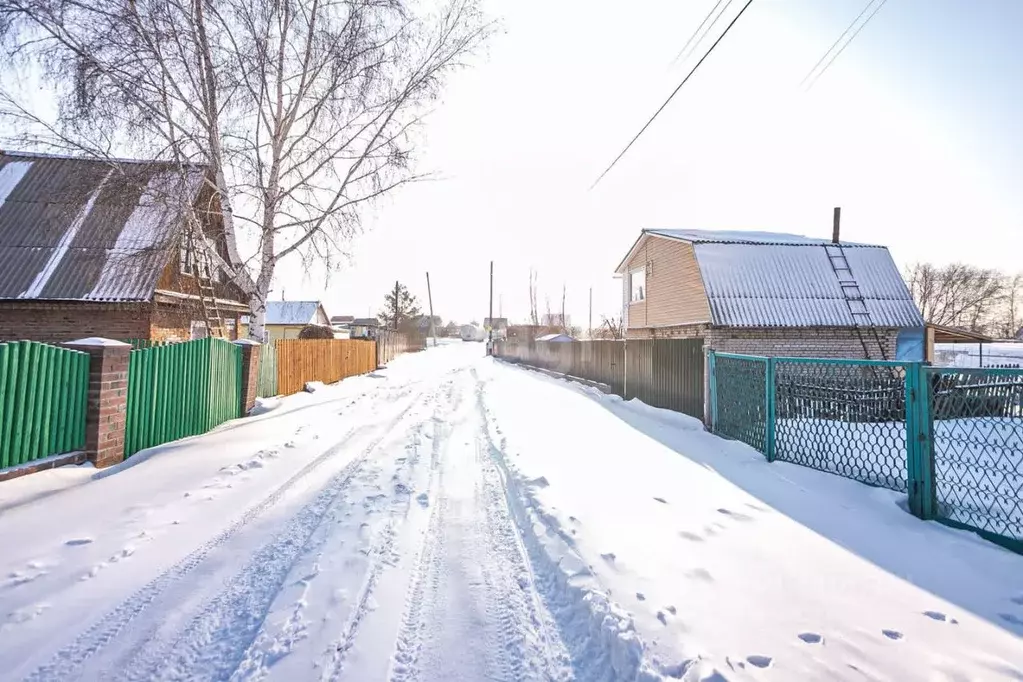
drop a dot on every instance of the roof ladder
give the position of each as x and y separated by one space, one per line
854 298
204 278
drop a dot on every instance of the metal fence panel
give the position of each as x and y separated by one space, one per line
846 417
43 390
180 390
739 398
977 435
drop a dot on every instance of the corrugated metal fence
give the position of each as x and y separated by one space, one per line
266 382
664 373
181 390
327 360
952 439
43 393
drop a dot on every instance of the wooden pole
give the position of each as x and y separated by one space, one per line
589 332
490 334
397 305
429 297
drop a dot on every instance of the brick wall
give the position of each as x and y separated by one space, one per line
802 343
57 322
173 322
799 343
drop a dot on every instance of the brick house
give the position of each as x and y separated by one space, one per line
769 294
99 248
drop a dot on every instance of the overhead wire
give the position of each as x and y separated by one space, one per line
810 78
672 95
685 48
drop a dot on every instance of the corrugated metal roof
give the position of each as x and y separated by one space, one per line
794 285
291 312
740 237
88 230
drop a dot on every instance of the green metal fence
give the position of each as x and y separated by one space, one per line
952 439
266 386
43 393
181 390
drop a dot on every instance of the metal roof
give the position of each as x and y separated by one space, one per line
794 285
741 237
291 312
87 230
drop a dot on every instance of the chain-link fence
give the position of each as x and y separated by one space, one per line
950 438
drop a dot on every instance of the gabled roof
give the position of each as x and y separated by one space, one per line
365 322
87 229
292 312
762 279
342 319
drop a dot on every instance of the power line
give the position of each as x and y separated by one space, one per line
807 80
672 95
698 29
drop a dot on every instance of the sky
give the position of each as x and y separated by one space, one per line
914 131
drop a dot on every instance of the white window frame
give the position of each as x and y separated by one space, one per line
632 288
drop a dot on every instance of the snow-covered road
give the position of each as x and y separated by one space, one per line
451 519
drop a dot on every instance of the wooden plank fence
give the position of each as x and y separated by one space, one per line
327 360
43 394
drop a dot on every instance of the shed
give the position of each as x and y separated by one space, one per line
285 319
769 293
555 338
99 247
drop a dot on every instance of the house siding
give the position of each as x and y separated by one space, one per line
58 322
675 294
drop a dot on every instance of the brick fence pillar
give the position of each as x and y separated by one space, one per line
250 372
108 399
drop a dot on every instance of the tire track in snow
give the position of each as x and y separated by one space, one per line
471 560
383 557
68 661
218 639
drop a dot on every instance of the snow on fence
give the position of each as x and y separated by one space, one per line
43 394
951 438
664 373
300 361
179 390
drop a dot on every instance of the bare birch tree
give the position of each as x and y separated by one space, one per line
957 295
303 112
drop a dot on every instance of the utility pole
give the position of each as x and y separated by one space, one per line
490 333
429 297
397 305
589 333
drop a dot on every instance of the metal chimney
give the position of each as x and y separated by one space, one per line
837 224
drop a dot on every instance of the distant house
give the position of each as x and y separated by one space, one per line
451 329
341 321
769 294
364 328
285 319
555 338
99 248
423 323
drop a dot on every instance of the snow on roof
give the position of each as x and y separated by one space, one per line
795 285
554 337
740 237
291 312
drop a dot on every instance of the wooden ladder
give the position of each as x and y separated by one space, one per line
854 299
204 277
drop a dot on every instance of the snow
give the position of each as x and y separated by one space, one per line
742 237
96 341
291 312
454 518
967 355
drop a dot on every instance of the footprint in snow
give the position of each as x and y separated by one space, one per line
76 542
609 557
423 499
692 537
1017 599
671 609
640 596
759 661
661 500
892 634
661 617
738 516
939 616
810 637
701 574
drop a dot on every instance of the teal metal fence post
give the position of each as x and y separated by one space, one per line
712 385
769 410
920 442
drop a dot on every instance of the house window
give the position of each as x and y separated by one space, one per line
198 330
637 282
185 260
